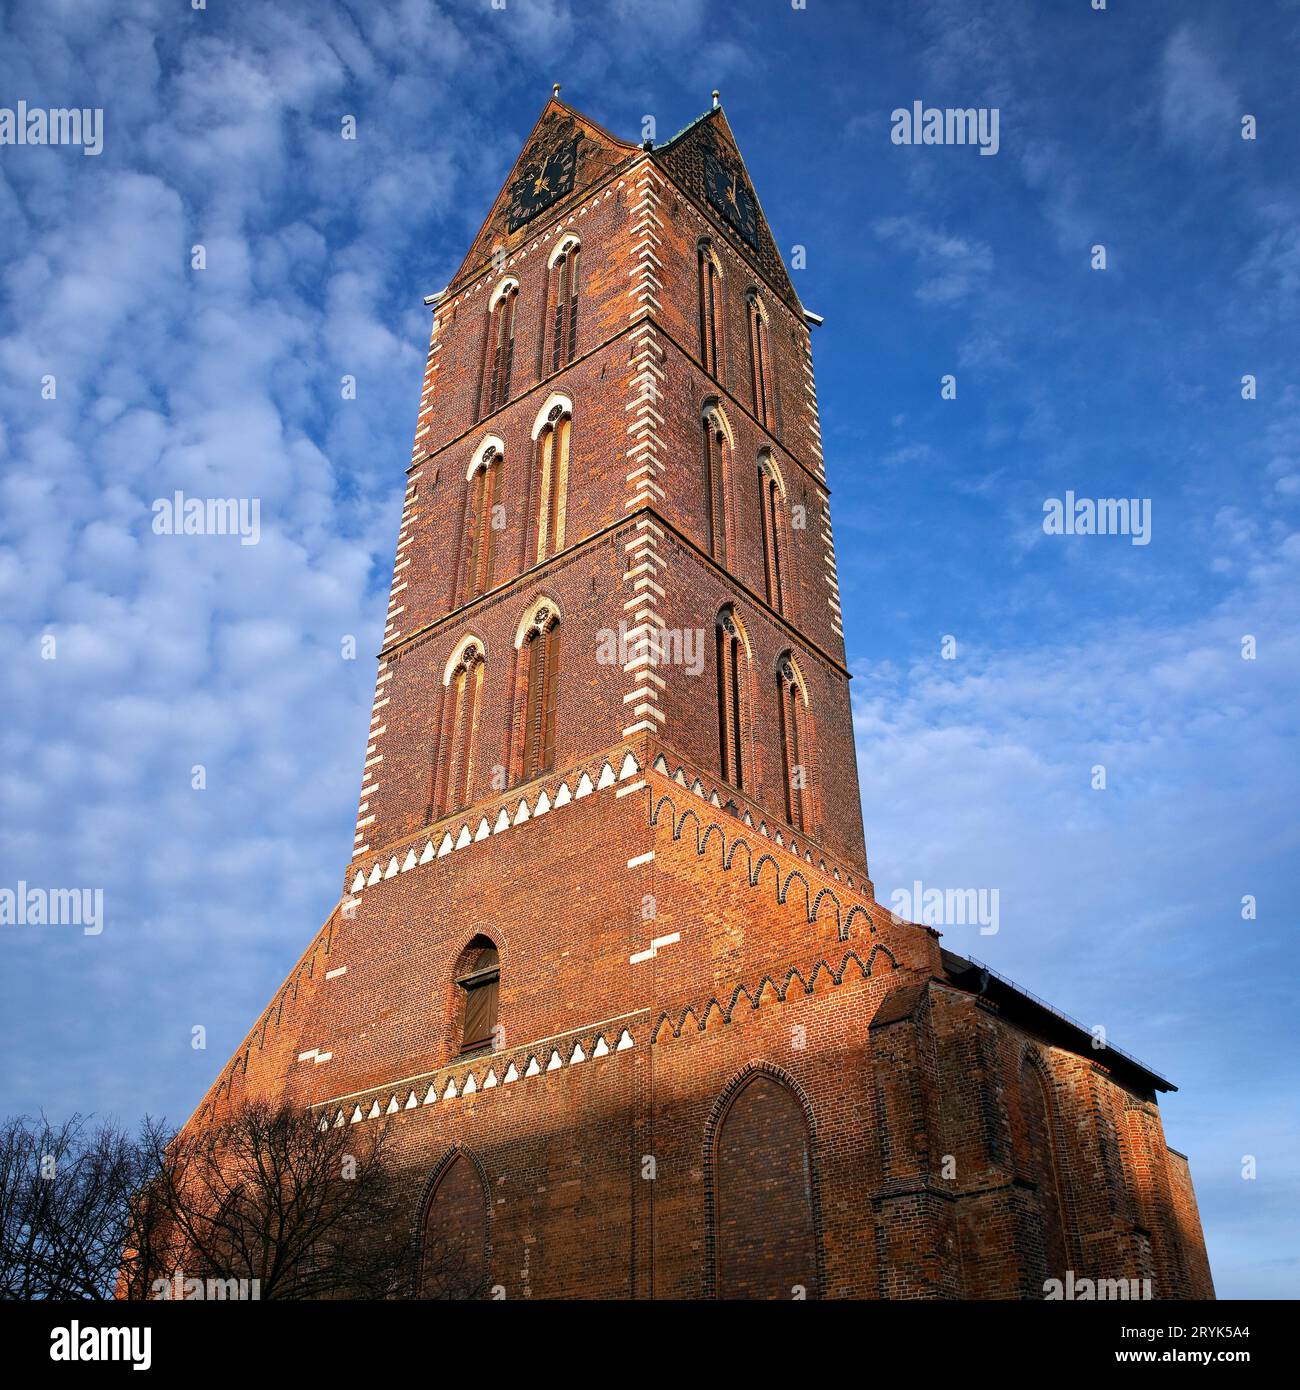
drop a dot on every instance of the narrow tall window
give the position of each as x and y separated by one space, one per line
564 312
455 772
480 982
500 352
552 480
710 287
541 655
453 1241
794 739
730 683
715 486
763 1216
759 366
769 488
479 532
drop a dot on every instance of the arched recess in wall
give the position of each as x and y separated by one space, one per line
735 726
536 691
462 698
1046 1233
479 508
709 273
762 1193
761 381
797 754
562 303
552 430
498 347
772 507
455 1254
718 448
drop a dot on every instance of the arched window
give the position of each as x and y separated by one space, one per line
793 705
771 500
564 303
454 1234
759 360
463 682
1045 1238
499 349
484 485
717 470
551 431
478 981
539 653
763 1227
732 670
710 289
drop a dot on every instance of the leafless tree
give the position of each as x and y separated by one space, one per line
269 1196
65 1206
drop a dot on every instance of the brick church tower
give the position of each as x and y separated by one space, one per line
608 957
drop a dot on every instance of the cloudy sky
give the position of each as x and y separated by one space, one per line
1119 128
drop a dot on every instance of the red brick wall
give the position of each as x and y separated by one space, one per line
723 1067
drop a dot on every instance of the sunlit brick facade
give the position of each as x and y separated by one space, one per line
608 957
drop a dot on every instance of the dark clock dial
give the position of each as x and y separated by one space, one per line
543 181
732 196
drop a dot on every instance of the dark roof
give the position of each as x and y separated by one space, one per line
1019 1005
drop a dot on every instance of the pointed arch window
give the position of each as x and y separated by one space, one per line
552 433
717 465
1038 1161
771 510
761 1217
540 654
760 366
710 295
732 670
462 697
499 353
479 982
454 1234
480 534
793 709
564 304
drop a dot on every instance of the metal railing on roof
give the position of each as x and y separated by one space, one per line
1066 1018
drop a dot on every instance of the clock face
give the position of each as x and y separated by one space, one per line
732 196
545 179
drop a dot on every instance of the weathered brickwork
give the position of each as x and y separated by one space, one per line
719 1068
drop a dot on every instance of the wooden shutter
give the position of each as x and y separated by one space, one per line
551 645
557 331
573 304
710 530
545 469
737 763
509 333
480 1013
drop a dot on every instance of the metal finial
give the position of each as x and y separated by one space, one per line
555 89
717 98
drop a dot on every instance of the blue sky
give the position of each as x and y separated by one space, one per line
1119 128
